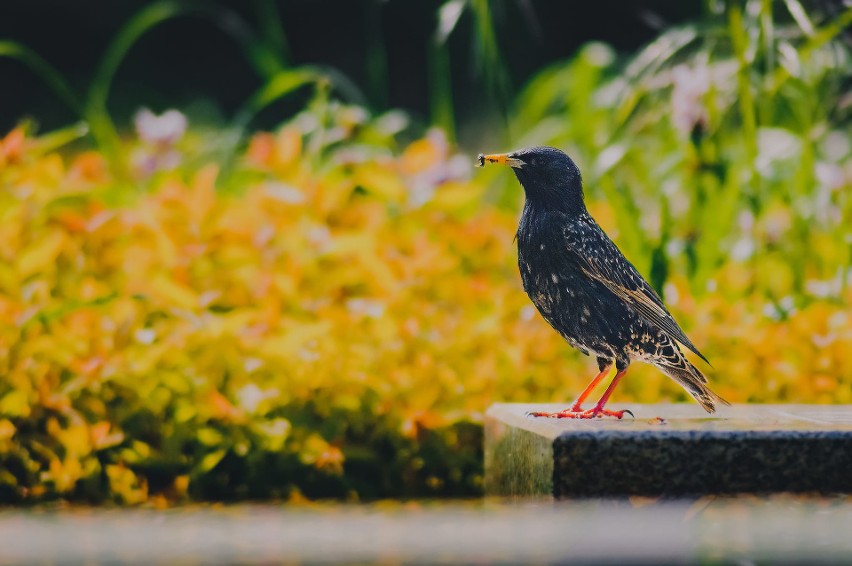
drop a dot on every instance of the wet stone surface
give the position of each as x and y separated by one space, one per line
685 452
709 530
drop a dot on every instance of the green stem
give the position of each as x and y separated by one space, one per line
440 85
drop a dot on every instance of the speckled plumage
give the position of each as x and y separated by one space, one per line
583 285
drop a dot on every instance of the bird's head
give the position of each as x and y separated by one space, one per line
549 177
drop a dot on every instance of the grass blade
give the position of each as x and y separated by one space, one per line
44 70
51 141
269 21
102 126
441 89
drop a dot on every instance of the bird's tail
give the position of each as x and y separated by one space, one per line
687 375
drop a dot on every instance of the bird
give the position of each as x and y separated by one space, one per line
586 289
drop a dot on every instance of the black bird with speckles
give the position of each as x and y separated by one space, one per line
586 289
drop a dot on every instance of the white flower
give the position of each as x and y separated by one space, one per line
366 307
165 129
690 86
145 336
250 396
283 192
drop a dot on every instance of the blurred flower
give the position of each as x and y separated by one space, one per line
775 145
283 192
745 220
147 162
824 289
250 396
690 84
527 313
145 336
743 249
598 54
165 129
427 164
830 175
366 307
158 134
831 179
836 145
392 122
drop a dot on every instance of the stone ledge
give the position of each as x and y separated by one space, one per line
741 449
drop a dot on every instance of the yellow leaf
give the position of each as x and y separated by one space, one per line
420 155
288 344
211 460
209 436
174 294
7 431
380 181
288 145
125 485
15 404
202 195
41 254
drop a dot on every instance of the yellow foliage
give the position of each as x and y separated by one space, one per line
41 254
125 486
15 403
315 318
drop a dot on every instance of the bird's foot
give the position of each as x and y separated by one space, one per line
577 413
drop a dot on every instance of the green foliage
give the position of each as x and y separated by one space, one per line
710 126
488 64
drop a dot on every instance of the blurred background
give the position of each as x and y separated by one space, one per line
384 48
246 255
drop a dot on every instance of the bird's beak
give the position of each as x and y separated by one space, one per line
499 158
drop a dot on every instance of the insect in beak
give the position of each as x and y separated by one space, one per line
500 159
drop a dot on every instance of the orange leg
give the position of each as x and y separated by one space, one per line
576 407
598 409
576 411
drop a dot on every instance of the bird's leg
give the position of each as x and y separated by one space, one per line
604 369
577 409
598 410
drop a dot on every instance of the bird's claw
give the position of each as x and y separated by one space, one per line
577 413
538 414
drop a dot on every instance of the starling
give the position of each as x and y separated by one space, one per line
586 289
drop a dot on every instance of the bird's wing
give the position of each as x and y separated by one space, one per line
600 259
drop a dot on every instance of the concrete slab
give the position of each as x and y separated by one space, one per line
740 449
